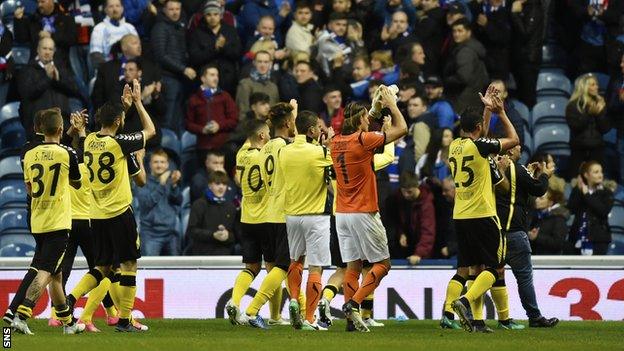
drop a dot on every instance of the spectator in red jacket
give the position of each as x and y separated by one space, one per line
411 212
211 113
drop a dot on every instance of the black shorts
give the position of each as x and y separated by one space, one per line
116 239
49 251
265 240
334 247
480 242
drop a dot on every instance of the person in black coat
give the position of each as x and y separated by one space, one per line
310 91
615 111
548 228
6 63
590 202
43 84
430 27
493 29
214 42
109 81
528 22
588 121
47 22
212 221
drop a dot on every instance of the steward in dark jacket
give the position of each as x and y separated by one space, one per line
169 45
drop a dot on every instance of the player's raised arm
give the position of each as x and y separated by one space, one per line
399 126
511 137
487 111
149 131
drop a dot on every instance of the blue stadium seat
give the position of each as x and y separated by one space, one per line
617 244
17 238
14 220
11 167
9 111
170 141
21 55
549 111
552 138
7 9
523 110
184 219
610 137
553 84
17 250
12 194
188 142
603 81
186 197
616 218
528 142
188 157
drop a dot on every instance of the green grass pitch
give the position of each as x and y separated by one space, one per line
218 334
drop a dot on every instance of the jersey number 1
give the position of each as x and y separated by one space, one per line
343 167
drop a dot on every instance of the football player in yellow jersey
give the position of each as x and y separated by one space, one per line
254 230
480 240
307 215
49 170
112 222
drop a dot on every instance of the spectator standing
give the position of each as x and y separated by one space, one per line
384 9
433 166
590 202
549 229
259 80
334 50
430 27
212 221
615 109
214 162
528 23
493 30
588 121
138 11
438 104
6 62
465 73
411 212
266 39
48 21
299 37
159 202
310 91
496 127
259 104
169 49
43 84
216 43
107 85
108 32
397 33
211 113
254 10
333 113
421 124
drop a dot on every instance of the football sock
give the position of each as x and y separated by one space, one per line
63 314
241 285
93 302
113 290
295 272
24 310
483 282
109 305
20 294
329 292
88 282
127 292
350 284
371 281
367 306
302 302
313 294
453 292
501 299
474 305
270 284
275 303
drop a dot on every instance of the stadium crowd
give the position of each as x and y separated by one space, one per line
207 68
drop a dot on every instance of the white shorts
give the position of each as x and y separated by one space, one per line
309 236
362 236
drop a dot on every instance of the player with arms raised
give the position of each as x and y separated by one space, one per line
112 221
361 234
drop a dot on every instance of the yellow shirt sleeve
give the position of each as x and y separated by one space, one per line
384 159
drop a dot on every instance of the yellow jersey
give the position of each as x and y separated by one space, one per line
48 167
248 165
273 176
81 198
106 160
305 188
471 168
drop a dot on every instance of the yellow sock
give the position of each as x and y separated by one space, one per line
63 315
53 313
302 303
88 282
482 283
271 282
111 311
113 289
501 299
95 298
367 306
241 285
475 306
329 292
127 292
275 303
453 292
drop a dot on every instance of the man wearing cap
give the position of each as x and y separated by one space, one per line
439 106
216 43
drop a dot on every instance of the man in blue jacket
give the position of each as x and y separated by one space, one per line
159 205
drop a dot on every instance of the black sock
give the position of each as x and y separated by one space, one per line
21 290
107 301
